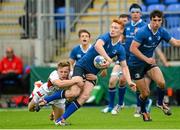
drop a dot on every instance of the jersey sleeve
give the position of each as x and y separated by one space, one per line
73 54
53 76
104 37
122 54
166 36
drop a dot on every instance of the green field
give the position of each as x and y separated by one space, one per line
88 118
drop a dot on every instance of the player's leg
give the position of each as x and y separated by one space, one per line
121 93
31 106
112 88
58 110
143 98
148 103
138 75
76 104
157 76
72 92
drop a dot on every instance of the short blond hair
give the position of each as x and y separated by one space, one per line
63 64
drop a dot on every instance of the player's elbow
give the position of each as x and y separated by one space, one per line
131 49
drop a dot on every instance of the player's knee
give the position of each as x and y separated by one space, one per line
80 84
31 108
122 82
85 97
73 94
161 84
112 82
146 93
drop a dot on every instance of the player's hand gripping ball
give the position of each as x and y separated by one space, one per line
99 61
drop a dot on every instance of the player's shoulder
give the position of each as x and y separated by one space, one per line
104 36
143 29
128 24
162 29
53 73
121 47
76 47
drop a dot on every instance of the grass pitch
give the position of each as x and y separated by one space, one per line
89 118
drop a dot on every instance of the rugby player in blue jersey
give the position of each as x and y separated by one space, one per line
108 46
80 50
141 61
130 30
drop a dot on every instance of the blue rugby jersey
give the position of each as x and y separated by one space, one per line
148 42
78 52
112 50
129 32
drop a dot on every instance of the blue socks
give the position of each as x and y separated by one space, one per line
143 104
161 93
74 106
112 93
122 91
138 100
57 95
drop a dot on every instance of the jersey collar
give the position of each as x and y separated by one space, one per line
134 24
154 33
84 51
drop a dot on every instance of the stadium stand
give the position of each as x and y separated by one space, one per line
150 2
10 13
156 6
172 20
173 7
168 2
144 8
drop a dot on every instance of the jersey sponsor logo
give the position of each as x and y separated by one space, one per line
78 55
114 51
148 46
137 75
149 38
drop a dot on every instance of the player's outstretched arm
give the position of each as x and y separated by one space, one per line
175 42
126 73
66 83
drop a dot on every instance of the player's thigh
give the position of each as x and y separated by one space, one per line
85 94
73 91
58 111
147 80
156 75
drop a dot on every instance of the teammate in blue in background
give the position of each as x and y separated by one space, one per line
108 46
130 30
80 50
141 62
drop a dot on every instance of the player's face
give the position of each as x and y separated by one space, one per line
125 19
64 72
116 30
84 38
156 23
135 16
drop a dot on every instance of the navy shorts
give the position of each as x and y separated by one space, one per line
78 71
138 72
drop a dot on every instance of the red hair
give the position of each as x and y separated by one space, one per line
120 22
